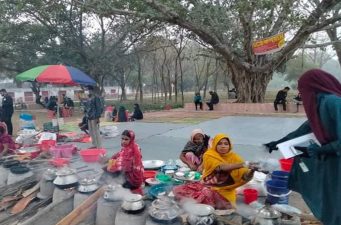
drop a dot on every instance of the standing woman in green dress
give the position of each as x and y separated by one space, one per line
320 186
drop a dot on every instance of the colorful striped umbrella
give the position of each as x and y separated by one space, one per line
56 74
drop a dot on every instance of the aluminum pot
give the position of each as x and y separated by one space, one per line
87 185
164 209
267 216
66 178
133 202
50 174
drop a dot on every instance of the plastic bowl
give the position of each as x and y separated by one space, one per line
286 164
92 155
149 174
159 190
163 178
280 175
277 187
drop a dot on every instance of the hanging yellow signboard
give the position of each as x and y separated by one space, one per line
268 45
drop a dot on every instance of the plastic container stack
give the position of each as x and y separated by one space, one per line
27 121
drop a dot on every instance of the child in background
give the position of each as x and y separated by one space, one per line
128 162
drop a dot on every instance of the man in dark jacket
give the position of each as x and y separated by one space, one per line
281 98
94 110
214 100
7 110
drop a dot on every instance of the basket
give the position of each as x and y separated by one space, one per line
92 155
63 151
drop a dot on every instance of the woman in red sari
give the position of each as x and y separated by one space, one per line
128 162
7 145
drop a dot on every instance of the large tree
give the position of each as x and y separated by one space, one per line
230 26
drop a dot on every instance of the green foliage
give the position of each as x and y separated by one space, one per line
145 107
297 66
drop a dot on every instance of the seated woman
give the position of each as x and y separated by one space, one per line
223 172
128 162
194 150
7 145
114 112
137 114
84 125
122 115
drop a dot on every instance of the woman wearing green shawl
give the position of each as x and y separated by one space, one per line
320 183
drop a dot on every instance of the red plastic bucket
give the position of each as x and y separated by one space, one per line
286 164
250 195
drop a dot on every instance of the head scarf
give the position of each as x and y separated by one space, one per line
195 132
129 161
212 158
310 84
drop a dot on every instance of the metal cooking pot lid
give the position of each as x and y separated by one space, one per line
87 181
65 172
133 197
200 209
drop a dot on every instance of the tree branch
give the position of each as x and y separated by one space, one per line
309 26
321 45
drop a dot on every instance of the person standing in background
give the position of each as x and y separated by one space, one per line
94 110
7 110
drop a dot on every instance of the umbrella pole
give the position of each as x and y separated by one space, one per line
58 113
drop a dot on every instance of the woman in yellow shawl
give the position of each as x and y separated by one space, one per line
223 172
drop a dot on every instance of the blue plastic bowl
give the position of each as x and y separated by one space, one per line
277 187
159 189
280 175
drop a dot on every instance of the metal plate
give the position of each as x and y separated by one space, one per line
153 164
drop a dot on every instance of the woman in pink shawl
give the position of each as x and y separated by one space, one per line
128 161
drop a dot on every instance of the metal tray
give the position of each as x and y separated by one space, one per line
153 164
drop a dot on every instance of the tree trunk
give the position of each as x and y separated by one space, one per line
182 82
176 79
169 84
139 77
250 87
337 45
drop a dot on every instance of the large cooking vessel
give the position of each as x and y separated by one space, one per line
87 185
200 214
66 178
50 174
164 210
133 203
267 216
